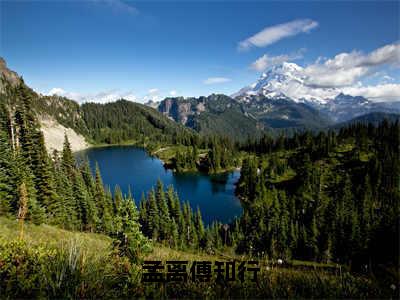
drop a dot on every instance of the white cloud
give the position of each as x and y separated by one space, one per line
267 61
345 69
153 91
153 95
173 93
380 92
100 97
216 80
272 34
387 79
350 73
120 6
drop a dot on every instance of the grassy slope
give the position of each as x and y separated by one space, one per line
53 237
47 259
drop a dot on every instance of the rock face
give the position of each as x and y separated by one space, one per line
10 76
152 104
54 132
51 112
215 114
178 109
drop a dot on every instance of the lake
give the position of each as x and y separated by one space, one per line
130 166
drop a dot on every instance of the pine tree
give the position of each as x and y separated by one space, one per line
153 216
200 228
68 160
135 242
27 125
164 221
7 177
42 169
117 198
103 204
143 219
174 238
84 207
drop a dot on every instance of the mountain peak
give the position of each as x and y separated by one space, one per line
273 83
290 66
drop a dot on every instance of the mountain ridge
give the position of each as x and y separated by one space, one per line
288 81
89 123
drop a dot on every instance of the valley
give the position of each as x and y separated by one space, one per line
259 177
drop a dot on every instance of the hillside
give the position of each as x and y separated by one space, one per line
284 114
372 118
90 123
239 119
124 120
215 114
56 263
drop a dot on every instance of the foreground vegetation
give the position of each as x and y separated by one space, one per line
55 263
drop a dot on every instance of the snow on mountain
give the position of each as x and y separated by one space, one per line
289 81
286 80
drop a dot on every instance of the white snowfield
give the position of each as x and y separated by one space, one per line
54 136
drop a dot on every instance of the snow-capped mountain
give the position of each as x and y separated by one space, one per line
288 81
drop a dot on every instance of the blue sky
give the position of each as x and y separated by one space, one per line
152 49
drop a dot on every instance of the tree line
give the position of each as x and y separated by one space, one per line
59 191
331 197
165 219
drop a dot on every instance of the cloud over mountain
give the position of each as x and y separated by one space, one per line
326 78
100 97
345 69
267 61
273 34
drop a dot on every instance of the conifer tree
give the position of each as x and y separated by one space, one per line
42 169
164 219
143 213
7 177
68 160
153 216
103 205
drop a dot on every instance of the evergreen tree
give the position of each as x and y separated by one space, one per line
103 204
153 216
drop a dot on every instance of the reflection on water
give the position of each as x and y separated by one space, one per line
130 166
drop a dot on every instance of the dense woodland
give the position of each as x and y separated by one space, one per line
54 189
327 197
164 218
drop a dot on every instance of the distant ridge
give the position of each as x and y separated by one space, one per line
371 118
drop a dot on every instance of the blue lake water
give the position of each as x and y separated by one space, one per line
129 166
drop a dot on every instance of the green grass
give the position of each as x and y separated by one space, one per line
54 263
344 148
50 236
288 175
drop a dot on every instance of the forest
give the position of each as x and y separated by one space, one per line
331 197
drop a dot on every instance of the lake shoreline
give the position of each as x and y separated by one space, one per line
132 167
154 153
